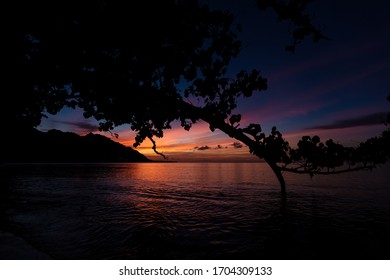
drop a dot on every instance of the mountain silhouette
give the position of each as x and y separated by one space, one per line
58 146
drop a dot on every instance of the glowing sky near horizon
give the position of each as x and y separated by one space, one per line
335 89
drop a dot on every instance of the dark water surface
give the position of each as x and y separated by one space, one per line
196 211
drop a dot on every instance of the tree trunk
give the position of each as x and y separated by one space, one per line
278 172
237 134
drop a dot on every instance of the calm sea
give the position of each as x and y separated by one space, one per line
196 211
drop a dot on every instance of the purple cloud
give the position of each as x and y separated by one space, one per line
367 120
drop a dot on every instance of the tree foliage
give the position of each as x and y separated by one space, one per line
143 63
294 11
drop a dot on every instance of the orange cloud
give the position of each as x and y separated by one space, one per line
179 144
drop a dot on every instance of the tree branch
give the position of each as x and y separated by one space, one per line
319 172
155 148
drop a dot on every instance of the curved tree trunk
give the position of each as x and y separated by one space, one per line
278 172
237 134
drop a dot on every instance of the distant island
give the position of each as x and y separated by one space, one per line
61 147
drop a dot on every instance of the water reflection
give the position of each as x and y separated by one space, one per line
195 211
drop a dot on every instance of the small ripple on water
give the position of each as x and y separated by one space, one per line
85 215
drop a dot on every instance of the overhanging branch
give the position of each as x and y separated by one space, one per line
155 148
319 172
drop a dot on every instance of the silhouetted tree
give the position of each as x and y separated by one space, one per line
143 63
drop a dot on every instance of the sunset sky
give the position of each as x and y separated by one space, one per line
335 89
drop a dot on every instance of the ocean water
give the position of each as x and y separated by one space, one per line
196 211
